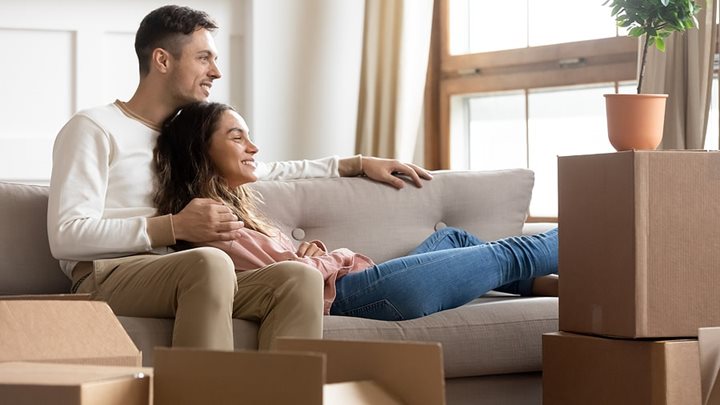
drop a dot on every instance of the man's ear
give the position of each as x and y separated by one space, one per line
160 60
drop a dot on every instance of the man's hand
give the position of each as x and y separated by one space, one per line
205 220
309 249
386 171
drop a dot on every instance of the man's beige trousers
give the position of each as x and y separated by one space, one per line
202 291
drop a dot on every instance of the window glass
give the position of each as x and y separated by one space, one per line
483 26
497 131
558 21
560 121
492 26
563 121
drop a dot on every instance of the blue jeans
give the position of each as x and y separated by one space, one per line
449 269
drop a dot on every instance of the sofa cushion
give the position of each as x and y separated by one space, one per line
496 334
490 335
26 265
385 223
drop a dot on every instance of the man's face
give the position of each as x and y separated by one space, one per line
192 74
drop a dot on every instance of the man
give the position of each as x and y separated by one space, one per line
102 223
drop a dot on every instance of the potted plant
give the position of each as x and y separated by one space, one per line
636 121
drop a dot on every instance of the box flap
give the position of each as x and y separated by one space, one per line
357 393
709 343
51 297
24 383
411 371
193 376
64 331
28 373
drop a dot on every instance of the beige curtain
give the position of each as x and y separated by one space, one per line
684 72
394 65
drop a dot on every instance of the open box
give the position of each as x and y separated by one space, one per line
303 371
64 331
66 350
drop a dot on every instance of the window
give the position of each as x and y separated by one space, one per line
516 91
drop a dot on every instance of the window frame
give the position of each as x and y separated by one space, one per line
574 63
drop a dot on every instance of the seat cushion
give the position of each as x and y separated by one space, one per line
491 335
487 336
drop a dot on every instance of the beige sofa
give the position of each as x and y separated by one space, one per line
491 347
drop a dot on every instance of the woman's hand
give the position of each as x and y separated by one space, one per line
310 249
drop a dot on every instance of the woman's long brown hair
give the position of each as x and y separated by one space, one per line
185 171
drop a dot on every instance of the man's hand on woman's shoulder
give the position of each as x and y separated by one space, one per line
205 220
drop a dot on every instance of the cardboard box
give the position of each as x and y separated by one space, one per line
639 238
69 384
413 372
588 370
314 373
64 331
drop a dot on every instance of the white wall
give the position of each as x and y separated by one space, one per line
62 56
290 66
305 73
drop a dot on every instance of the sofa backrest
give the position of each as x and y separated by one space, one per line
384 223
356 213
26 265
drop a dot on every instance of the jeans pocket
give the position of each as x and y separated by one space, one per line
382 310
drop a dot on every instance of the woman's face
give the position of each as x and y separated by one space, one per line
231 150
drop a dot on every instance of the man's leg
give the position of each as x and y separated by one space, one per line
286 298
195 286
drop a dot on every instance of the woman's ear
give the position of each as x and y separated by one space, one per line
160 60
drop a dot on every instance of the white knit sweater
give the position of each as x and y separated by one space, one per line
102 185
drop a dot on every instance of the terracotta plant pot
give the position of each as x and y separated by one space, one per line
635 121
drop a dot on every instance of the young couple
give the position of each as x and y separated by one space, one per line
114 228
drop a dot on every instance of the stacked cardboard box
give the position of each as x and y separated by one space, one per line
58 350
639 261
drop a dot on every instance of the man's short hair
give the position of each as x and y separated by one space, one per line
168 27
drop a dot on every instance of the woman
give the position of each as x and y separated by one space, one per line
204 150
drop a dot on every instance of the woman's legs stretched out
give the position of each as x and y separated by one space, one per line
451 238
432 280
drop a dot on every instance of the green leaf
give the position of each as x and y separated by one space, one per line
636 31
660 44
